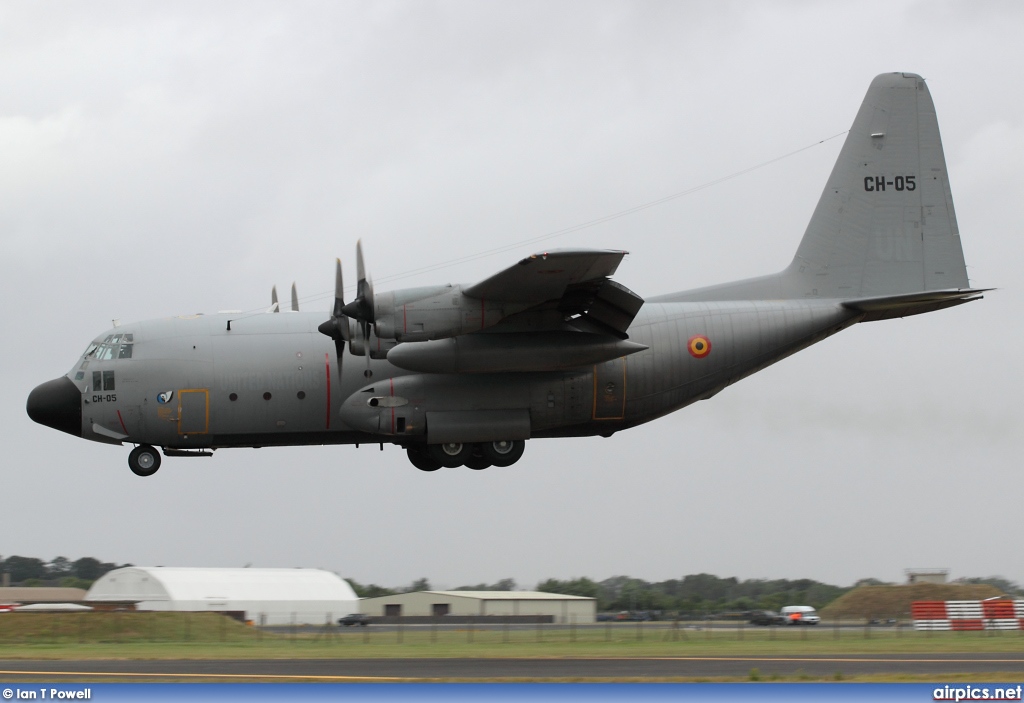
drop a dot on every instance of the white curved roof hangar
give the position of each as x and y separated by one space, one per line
199 584
269 596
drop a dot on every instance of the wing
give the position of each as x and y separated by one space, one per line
542 277
569 284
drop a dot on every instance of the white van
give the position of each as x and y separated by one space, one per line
800 615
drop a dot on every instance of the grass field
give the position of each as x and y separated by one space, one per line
212 636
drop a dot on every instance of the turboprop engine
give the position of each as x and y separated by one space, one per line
511 351
422 314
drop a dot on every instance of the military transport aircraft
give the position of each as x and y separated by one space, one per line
462 375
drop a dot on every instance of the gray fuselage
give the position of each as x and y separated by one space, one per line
273 379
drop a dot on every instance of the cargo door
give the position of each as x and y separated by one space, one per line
193 411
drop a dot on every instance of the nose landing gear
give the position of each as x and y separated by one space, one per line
144 460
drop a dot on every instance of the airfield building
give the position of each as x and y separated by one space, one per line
26 595
926 576
561 608
267 596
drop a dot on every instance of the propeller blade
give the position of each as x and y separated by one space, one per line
371 315
339 290
337 327
295 298
360 269
365 330
274 307
361 308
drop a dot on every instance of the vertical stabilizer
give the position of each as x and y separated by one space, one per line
885 223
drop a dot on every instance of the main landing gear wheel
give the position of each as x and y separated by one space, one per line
450 454
419 458
477 461
503 452
144 460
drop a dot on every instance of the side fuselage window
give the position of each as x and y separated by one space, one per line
108 380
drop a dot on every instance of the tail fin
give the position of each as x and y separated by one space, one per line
885 223
884 226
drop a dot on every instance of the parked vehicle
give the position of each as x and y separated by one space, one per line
800 615
765 618
354 619
634 616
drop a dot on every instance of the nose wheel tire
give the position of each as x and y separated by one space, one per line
503 452
144 460
419 458
450 454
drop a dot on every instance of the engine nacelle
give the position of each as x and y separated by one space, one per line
421 314
378 347
511 351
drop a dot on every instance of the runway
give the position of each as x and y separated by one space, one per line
595 669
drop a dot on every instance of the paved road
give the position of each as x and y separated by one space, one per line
938 665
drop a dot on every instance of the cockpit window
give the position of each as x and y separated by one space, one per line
115 346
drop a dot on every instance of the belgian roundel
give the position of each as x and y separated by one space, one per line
699 346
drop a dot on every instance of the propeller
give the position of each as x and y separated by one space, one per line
274 306
295 299
361 309
337 327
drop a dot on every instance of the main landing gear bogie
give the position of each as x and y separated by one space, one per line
479 456
144 460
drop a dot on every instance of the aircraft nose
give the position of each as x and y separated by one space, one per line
57 404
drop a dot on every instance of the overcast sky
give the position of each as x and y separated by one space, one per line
167 158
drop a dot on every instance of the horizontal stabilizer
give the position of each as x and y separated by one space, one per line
906 304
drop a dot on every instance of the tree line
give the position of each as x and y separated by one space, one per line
59 571
696 593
